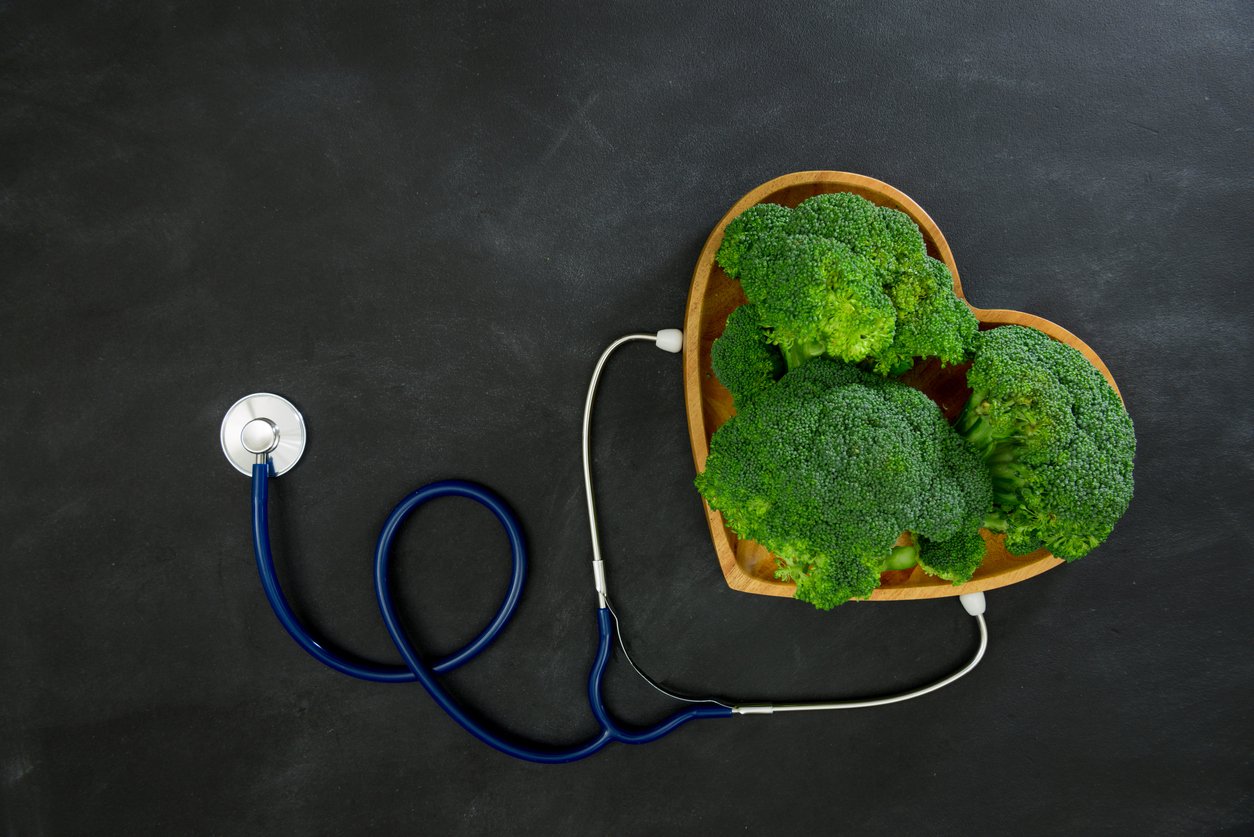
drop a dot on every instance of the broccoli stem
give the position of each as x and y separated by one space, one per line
1007 476
970 413
1000 455
995 521
901 367
799 353
902 558
974 427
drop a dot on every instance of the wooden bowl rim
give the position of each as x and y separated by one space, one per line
735 576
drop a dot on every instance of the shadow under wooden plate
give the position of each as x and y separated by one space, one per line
746 565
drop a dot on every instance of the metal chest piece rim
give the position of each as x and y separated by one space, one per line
263 424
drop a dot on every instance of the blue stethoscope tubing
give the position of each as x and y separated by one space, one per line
415 668
260 436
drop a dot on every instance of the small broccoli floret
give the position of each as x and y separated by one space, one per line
742 358
817 297
843 277
830 465
903 243
886 237
843 217
755 224
931 320
955 559
834 580
1058 442
959 500
1017 398
961 494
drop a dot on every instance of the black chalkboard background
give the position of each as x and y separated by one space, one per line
422 222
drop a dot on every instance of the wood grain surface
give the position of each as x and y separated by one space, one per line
748 566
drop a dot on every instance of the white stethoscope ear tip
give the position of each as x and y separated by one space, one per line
972 603
670 340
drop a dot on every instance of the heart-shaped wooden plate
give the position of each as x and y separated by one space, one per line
713 295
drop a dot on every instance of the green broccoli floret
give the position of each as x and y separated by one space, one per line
742 358
756 223
902 242
826 469
815 296
843 217
1057 439
885 236
955 559
931 320
946 538
841 276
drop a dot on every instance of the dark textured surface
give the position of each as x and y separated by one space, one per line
421 223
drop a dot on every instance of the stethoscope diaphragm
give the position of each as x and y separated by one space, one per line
263 424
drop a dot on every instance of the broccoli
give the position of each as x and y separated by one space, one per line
1057 439
827 467
931 320
885 236
843 277
955 559
755 224
743 359
843 474
815 296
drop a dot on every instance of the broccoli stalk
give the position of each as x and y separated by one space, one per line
902 557
954 559
1000 453
797 354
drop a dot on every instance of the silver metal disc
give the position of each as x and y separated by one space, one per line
288 432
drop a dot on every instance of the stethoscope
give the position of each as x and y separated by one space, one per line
264 435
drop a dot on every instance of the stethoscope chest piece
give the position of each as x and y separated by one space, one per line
263 424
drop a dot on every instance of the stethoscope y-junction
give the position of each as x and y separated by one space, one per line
264 435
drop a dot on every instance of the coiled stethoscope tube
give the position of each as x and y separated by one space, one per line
261 436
